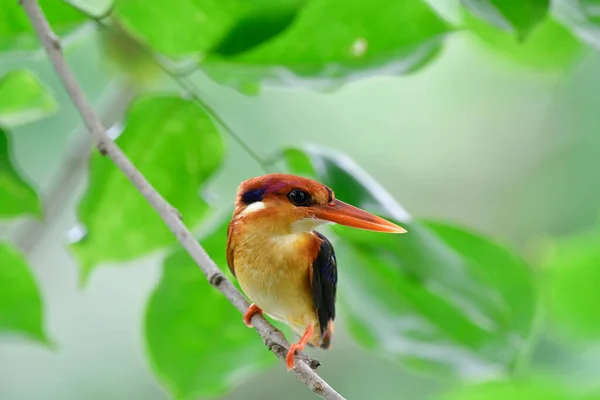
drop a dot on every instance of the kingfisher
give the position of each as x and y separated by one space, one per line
286 268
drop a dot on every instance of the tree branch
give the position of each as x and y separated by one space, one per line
272 338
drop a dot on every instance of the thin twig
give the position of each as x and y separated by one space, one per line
271 336
179 78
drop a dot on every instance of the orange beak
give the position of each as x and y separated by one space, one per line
345 214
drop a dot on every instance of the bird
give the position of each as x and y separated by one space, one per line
284 266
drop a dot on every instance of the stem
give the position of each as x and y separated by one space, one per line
271 336
181 80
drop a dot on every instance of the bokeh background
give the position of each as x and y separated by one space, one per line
478 137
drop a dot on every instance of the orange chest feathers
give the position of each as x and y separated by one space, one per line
274 270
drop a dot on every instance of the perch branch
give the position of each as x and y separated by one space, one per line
272 338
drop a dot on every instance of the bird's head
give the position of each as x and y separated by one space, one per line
295 204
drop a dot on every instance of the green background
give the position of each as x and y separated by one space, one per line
503 141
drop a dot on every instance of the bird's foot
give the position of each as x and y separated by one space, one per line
253 309
289 359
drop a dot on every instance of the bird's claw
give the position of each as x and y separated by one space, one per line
253 309
289 359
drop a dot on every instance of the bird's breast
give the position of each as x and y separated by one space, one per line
274 272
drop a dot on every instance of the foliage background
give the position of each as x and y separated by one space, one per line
489 135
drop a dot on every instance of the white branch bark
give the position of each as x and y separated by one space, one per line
272 338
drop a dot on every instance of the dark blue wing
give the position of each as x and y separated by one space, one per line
324 285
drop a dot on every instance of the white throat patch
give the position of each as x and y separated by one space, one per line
259 205
308 224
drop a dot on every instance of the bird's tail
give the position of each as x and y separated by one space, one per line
324 341
317 340
328 336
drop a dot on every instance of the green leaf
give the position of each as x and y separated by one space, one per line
16 32
518 17
331 41
20 301
16 196
438 298
260 21
197 27
177 147
582 17
299 162
23 98
530 389
196 340
550 46
573 296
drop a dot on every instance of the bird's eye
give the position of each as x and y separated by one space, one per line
299 197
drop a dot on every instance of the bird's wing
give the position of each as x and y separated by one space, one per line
230 247
323 286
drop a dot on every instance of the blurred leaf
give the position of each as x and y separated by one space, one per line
573 267
176 146
23 98
531 389
16 196
124 54
16 32
592 10
512 16
20 301
582 17
264 20
196 340
196 27
299 162
331 41
550 46
438 298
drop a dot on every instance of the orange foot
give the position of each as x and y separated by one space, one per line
253 309
289 359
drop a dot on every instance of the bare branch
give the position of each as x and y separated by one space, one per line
271 336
